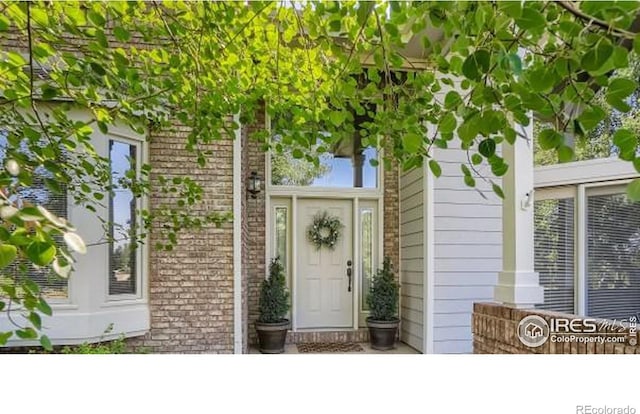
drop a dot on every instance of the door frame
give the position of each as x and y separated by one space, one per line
292 194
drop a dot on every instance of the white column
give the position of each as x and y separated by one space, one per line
518 284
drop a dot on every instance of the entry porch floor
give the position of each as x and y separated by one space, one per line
401 348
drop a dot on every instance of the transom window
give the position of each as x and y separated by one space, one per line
347 165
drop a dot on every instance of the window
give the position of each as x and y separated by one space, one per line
366 253
554 252
39 193
613 256
589 264
345 166
281 236
123 251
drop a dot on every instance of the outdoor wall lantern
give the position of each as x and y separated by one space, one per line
254 184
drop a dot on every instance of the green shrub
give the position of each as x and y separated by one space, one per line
383 294
274 297
116 346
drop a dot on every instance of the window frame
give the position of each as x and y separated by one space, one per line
580 192
141 258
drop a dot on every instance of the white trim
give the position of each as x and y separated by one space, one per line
580 234
294 261
428 286
355 256
237 238
602 169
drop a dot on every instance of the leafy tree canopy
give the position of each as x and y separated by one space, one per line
431 71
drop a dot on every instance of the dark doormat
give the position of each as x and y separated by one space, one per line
329 347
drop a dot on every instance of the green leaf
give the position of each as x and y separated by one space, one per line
412 142
512 9
633 190
591 117
625 140
510 135
541 80
469 181
46 343
465 170
4 337
498 166
27 333
476 159
476 65
596 57
619 89
497 189
8 254
97 68
565 153
487 147
35 320
531 19
44 307
337 118
515 63
452 100
41 253
96 18
636 44
435 168
469 130
121 34
550 139
447 123
4 24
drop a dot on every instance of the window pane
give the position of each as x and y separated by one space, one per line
613 257
366 249
281 235
122 257
344 167
51 285
554 253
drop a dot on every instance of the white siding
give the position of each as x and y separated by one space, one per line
412 257
468 250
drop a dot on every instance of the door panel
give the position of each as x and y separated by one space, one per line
323 297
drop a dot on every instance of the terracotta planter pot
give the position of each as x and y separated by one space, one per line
272 336
382 334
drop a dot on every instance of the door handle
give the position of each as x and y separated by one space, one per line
349 275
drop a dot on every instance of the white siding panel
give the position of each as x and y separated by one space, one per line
465 264
444 320
412 257
453 347
472 237
468 251
466 278
453 332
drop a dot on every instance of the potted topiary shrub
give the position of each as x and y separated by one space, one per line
383 308
272 326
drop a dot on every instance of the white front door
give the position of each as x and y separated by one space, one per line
324 291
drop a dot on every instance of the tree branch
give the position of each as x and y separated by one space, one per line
592 20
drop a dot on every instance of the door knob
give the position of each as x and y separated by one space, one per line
349 275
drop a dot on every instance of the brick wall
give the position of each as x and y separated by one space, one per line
191 287
254 236
495 332
391 202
